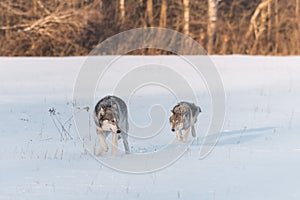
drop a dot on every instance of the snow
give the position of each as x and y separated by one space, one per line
257 155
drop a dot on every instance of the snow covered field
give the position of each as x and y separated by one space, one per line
257 155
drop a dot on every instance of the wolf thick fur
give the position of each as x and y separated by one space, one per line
184 117
111 116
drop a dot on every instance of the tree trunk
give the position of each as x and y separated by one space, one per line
163 14
212 25
269 21
150 12
277 27
298 27
34 7
297 9
122 9
186 16
256 25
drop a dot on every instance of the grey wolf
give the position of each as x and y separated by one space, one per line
111 116
184 117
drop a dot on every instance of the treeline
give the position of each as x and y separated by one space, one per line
75 27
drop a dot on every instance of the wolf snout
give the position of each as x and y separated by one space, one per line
118 131
172 129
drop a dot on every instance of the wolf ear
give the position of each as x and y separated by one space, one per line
172 113
115 106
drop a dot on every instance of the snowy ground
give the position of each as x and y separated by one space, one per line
257 156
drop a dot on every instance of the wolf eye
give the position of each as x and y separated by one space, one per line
113 121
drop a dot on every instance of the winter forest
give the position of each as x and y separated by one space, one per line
74 27
244 144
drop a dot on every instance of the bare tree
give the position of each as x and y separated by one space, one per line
163 14
269 15
54 31
298 25
122 9
258 23
277 26
34 7
212 25
150 12
186 16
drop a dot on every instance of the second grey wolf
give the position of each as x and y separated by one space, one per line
111 116
184 117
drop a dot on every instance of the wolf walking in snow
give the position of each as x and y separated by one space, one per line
111 116
183 117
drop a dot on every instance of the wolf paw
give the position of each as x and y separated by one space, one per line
101 151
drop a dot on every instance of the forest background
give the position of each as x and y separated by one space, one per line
75 27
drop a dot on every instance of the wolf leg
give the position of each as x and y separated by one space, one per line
103 145
193 131
178 135
125 142
186 134
114 144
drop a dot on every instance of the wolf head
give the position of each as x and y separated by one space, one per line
177 117
108 120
